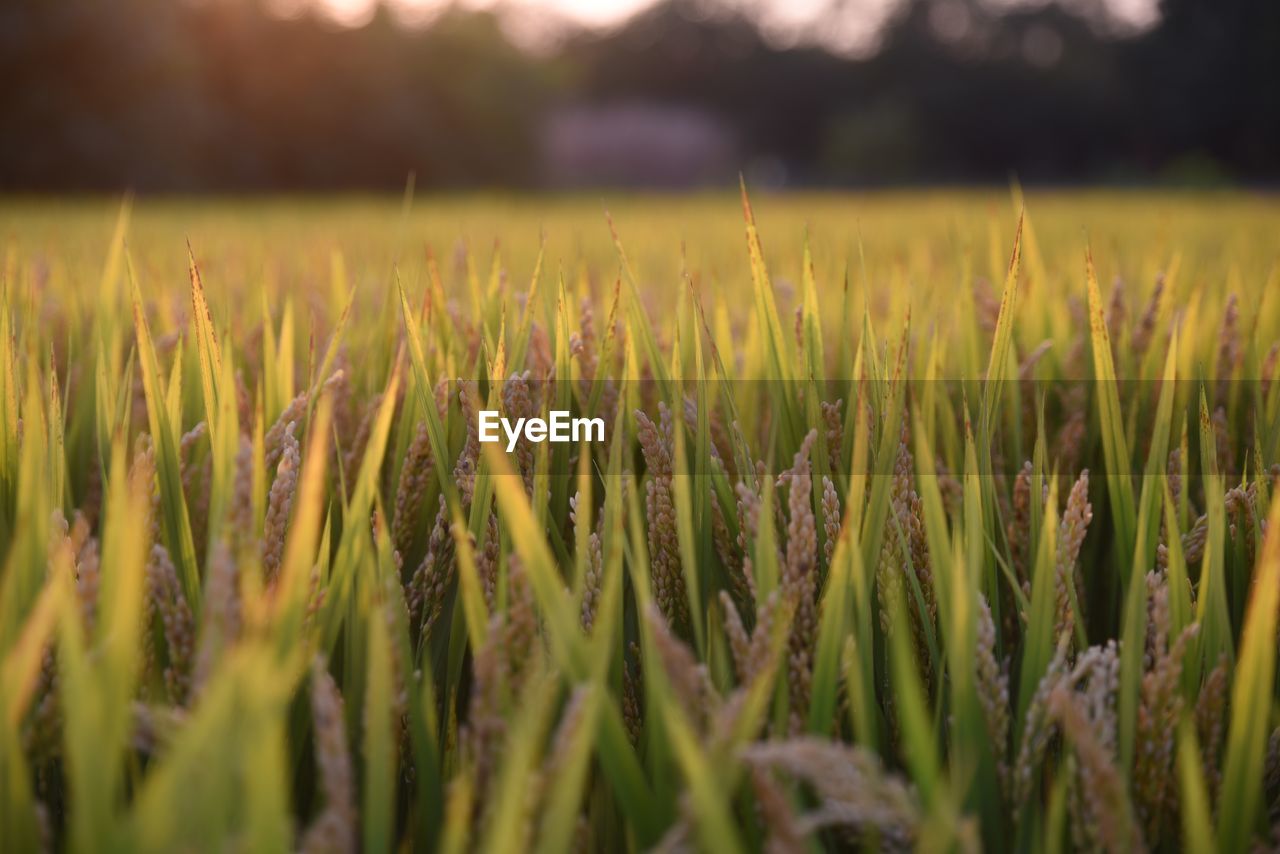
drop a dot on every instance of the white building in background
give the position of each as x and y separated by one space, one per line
636 144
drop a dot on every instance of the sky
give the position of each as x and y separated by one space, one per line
846 26
591 13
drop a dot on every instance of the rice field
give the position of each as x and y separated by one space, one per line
932 521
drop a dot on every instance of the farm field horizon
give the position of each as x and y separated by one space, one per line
939 226
930 519
886 245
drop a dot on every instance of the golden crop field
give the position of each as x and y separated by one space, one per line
933 520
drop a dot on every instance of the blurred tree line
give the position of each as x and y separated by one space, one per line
223 94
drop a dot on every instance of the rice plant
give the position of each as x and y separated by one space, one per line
933 525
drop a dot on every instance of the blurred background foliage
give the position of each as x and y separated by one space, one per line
176 95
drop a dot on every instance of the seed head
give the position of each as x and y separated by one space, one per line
1072 529
334 829
279 506
664 546
993 690
167 600
411 490
852 788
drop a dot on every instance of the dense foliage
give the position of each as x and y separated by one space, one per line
924 538
182 95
